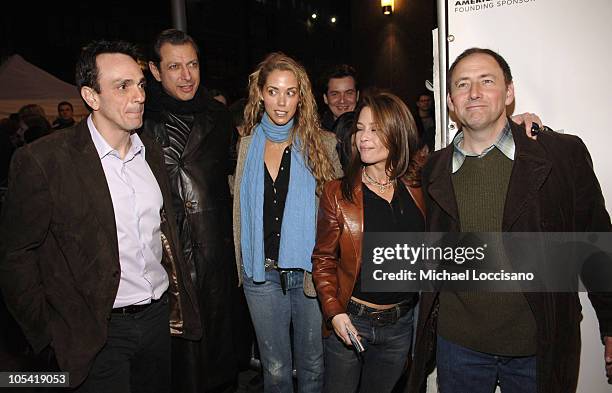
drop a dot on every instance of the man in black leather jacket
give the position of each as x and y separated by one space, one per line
194 131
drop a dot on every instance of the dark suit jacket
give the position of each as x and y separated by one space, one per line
59 266
552 189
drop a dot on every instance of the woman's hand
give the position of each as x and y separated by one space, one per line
527 119
342 322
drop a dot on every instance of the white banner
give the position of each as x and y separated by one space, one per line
562 71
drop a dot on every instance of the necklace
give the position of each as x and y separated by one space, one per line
382 187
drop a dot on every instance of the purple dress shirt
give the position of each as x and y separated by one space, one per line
137 203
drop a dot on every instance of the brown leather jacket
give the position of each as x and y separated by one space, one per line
336 259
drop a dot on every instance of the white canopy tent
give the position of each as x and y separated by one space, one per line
22 83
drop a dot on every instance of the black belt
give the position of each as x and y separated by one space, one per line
135 308
271 264
388 316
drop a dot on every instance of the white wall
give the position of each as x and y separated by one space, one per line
562 66
561 62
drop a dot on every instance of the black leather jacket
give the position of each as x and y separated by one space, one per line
196 148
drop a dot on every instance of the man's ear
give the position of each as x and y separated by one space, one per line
449 103
155 71
90 96
509 93
325 99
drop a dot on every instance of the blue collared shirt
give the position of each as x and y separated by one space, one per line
505 144
137 203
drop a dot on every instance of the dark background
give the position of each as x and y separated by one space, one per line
393 52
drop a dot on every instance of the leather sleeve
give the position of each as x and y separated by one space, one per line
25 223
325 254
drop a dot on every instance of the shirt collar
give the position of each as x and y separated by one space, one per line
505 144
104 149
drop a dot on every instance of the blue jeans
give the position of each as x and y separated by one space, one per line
382 363
463 370
272 314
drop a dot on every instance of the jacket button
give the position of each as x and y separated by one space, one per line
188 204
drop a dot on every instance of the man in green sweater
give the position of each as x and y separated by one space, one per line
493 178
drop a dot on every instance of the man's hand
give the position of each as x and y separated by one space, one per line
608 357
527 119
342 322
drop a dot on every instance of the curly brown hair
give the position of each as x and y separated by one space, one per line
307 127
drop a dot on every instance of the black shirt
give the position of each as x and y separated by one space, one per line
401 215
275 195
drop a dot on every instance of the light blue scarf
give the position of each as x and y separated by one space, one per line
299 217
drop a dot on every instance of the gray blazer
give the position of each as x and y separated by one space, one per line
330 142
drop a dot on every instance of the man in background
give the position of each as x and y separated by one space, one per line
341 93
65 111
425 120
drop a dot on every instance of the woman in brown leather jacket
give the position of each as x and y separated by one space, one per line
380 193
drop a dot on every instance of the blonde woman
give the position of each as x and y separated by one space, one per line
283 162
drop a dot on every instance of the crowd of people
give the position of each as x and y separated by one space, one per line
25 126
144 245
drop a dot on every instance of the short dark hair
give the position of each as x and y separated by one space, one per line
86 66
425 93
31 109
172 37
340 71
64 103
503 64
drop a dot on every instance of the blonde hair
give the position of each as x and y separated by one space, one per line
306 127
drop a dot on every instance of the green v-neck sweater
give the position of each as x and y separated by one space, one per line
494 323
